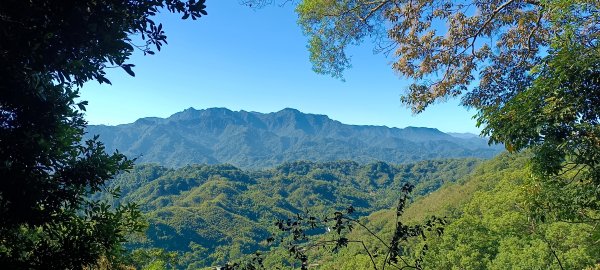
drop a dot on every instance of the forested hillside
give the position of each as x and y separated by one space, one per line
257 140
490 226
213 214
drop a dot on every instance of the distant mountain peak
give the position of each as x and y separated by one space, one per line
147 120
253 139
423 129
192 114
287 112
188 113
291 110
218 109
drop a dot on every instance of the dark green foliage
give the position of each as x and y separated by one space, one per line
557 117
74 41
256 140
47 50
215 214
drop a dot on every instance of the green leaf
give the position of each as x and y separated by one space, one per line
127 68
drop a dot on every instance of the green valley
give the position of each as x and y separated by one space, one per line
213 214
216 214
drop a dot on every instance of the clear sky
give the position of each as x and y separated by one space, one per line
256 60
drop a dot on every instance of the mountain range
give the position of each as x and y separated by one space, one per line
258 140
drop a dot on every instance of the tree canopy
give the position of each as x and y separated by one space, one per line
529 68
214 214
48 49
442 45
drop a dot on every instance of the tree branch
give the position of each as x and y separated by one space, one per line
488 21
373 10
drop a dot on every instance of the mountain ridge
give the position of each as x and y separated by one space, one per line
257 140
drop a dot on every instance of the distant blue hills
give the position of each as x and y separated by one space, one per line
259 140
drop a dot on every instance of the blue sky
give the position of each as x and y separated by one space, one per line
256 60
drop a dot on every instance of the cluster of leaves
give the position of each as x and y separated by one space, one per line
45 218
502 39
75 41
454 38
47 50
558 117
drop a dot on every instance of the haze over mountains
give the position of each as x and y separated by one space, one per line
259 140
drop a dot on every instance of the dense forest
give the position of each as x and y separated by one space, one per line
213 214
489 226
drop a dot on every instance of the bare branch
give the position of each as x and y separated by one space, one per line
485 24
373 10
535 29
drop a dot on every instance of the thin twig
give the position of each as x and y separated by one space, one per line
554 253
373 10
369 231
